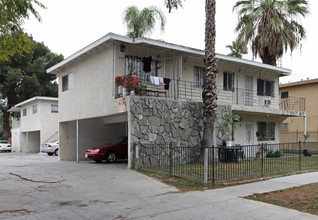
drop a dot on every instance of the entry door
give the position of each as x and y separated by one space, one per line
248 91
249 133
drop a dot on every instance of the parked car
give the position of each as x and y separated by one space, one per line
51 148
5 146
115 149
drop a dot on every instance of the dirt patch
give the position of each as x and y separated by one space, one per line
303 198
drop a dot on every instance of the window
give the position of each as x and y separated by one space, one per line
135 64
198 76
265 88
67 82
34 109
266 131
54 108
284 95
284 126
24 112
228 81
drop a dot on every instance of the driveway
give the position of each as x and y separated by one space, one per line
41 187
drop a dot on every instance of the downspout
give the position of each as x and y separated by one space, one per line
77 159
305 124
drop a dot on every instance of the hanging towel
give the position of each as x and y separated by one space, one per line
167 83
156 80
152 80
161 80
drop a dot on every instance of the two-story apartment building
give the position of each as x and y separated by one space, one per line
300 96
37 123
91 111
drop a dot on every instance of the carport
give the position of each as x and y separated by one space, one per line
79 135
31 142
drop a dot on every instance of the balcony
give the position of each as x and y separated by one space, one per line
245 97
292 104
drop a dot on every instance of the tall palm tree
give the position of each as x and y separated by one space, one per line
237 48
140 23
209 93
271 26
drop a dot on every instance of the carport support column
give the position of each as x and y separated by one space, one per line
77 160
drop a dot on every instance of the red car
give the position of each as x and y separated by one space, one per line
116 149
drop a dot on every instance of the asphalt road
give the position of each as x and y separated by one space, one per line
36 186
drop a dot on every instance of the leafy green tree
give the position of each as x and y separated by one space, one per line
25 77
13 40
140 23
271 26
237 49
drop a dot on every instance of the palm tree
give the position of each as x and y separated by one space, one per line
237 49
271 26
142 22
209 93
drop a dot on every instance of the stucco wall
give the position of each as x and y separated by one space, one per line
296 125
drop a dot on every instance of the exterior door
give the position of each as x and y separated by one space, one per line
248 91
249 133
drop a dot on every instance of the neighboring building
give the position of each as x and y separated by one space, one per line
36 122
91 112
300 96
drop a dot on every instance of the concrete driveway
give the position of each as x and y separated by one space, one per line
41 187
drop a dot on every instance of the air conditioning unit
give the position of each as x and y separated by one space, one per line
268 102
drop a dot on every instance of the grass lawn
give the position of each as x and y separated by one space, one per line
303 198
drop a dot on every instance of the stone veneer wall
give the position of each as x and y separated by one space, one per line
163 121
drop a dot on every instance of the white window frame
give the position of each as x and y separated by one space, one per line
67 82
34 109
24 112
54 108
228 81
198 73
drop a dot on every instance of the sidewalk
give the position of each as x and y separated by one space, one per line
217 204
41 187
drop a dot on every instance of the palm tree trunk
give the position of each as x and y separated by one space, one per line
209 93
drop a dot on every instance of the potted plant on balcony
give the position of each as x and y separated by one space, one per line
132 81
120 82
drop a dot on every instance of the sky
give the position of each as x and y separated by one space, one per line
69 25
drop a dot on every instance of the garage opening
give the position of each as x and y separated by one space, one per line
88 133
31 142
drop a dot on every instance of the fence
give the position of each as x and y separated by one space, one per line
220 163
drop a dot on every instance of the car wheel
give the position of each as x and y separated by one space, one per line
98 161
56 152
50 154
111 157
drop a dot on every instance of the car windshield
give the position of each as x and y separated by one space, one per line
117 141
4 142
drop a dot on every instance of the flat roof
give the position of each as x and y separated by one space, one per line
299 83
163 44
44 98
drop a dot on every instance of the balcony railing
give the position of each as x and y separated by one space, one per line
292 104
247 97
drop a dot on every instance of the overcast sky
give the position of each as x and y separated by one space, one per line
69 25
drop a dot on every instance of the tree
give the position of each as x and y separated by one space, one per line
271 26
25 77
12 37
142 22
209 93
237 49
